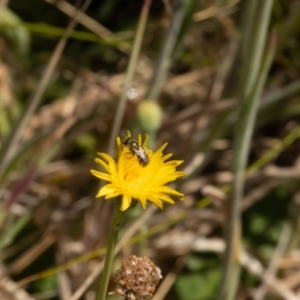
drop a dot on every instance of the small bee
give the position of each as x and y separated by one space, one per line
135 148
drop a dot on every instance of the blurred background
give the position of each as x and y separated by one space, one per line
204 76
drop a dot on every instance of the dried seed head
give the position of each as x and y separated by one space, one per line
137 277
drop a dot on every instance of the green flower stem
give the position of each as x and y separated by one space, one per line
113 235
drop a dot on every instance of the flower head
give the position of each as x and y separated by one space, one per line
137 278
130 178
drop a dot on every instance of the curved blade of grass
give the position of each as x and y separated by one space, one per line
9 234
253 75
163 62
54 31
281 93
11 145
274 152
26 147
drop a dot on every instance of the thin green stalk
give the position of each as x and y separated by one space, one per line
10 233
253 76
274 152
50 30
110 252
129 74
163 63
281 93
242 151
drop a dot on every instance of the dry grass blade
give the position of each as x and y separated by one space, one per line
9 290
273 266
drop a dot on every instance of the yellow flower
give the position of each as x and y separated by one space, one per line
128 178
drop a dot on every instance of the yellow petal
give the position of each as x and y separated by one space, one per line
143 202
105 190
126 202
166 198
145 142
180 174
119 146
174 163
109 159
128 134
101 175
161 148
169 191
155 200
112 195
103 164
164 158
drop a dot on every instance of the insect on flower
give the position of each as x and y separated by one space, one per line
135 148
130 180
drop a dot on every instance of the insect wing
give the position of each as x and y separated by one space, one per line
141 153
142 156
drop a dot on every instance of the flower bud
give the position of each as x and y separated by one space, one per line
149 114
